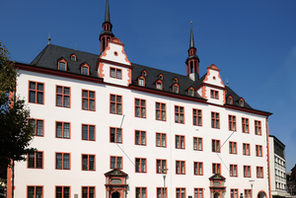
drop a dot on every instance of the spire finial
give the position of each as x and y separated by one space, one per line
107 12
48 39
191 45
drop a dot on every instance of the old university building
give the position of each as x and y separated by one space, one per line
106 127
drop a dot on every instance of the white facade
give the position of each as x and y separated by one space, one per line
277 168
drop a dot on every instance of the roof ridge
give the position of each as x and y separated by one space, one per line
74 49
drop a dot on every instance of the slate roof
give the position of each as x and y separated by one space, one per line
50 55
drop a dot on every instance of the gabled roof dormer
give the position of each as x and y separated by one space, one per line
85 69
62 64
113 65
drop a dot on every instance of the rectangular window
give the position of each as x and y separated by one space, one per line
232 122
115 104
216 168
161 140
198 168
160 111
180 193
198 193
215 120
38 126
141 165
88 192
161 192
259 151
115 73
232 148
63 96
179 114
63 161
180 142
62 191
197 117
34 191
246 149
88 162
248 193
180 167
140 138
35 159
63 130
88 132
116 162
197 144
36 92
245 125
115 135
233 170
161 166
258 129
247 171
214 94
259 170
216 146
141 192
233 193
88 100
140 108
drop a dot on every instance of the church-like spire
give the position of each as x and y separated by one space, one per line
106 34
107 12
192 61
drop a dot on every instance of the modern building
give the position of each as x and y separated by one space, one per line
291 181
107 127
277 167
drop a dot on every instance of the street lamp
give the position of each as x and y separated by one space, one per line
252 184
164 172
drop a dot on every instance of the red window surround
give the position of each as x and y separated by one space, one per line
63 96
180 192
179 114
35 160
258 128
233 170
115 104
38 126
63 130
216 168
88 191
259 151
140 108
216 146
62 191
63 161
36 92
140 138
161 192
214 94
88 132
88 162
84 69
180 141
247 171
232 123
215 120
160 111
35 191
259 172
245 125
88 100
246 149
116 162
180 167
232 148
197 117
115 73
197 144
141 165
161 166
141 192
161 140
115 135
198 168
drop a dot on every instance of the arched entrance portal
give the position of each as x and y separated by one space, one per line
116 195
217 195
262 194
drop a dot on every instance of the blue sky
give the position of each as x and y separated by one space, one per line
252 42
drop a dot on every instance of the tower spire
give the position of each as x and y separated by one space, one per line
192 61
106 34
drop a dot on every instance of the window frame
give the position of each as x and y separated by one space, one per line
84 66
246 149
63 129
144 81
36 91
62 60
180 167
63 191
35 128
197 143
196 117
215 120
181 194
248 193
63 159
63 95
35 160
116 162
234 192
162 189
35 190
140 107
259 172
88 98
116 70
161 84
216 146
176 88
161 110
88 190
232 147
116 103
180 142
140 138
216 168
141 165
88 162
259 150
247 171
179 113
198 189
115 135
88 132
141 191
161 166
245 125
231 122
233 170
196 168
160 139
214 94
258 127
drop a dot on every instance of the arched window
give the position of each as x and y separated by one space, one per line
160 76
141 81
241 102
191 91
158 84
175 88
62 64
144 73
229 100
73 57
175 80
84 69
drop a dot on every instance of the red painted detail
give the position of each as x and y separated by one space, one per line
105 51
268 158
57 73
9 182
115 40
130 76
126 59
214 67
101 74
100 60
203 92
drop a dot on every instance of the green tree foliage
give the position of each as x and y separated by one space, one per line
15 133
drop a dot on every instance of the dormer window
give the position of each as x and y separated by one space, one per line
141 81
175 88
229 100
115 73
160 76
159 84
85 69
191 91
73 57
144 73
62 65
175 80
214 94
241 102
